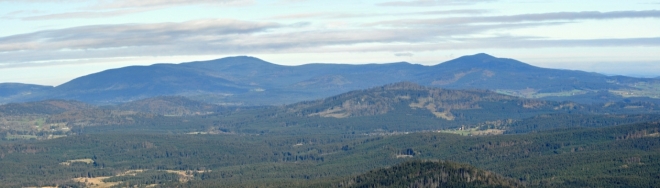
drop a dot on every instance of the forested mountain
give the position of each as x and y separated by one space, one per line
138 82
487 72
250 81
445 104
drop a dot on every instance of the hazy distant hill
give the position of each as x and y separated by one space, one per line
487 72
169 105
138 82
15 92
423 174
250 81
47 107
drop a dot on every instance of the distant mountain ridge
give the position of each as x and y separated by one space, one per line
245 80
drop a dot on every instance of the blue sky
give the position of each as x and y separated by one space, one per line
51 42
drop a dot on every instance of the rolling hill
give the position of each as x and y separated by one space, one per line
17 92
409 107
169 105
47 107
247 80
388 109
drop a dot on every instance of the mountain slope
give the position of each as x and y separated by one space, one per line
169 105
48 107
487 72
442 103
137 82
15 92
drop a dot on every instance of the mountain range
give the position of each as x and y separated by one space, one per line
247 80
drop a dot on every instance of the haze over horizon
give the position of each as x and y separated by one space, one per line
51 42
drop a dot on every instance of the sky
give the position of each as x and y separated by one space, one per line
49 42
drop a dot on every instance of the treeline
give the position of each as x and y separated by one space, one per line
557 121
429 174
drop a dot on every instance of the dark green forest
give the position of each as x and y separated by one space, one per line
429 174
618 156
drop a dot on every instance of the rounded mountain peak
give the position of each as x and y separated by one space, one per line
485 61
233 63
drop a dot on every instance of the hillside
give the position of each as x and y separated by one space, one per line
47 107
16 92
430 174
442 103
139 82
251 81
169 105
487 72
408 107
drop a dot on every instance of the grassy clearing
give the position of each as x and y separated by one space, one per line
533 94
69 162
642 89
404 156
465 132
473 132
21 137
488 132
105 181
185 175
96 182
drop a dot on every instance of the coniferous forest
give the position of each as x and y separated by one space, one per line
397 135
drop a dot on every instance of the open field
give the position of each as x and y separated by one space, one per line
96 182
642 89
473 132
69 162
534 94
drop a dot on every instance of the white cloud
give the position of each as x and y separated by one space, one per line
426 3
111 8
553 16
84 14
343 15
127 35
228 36
120 4
204 37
